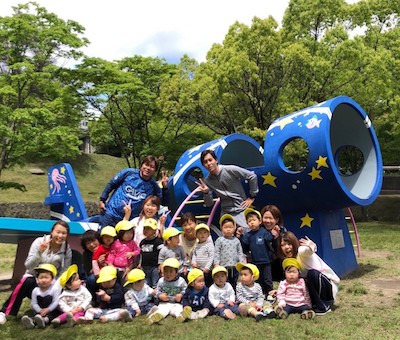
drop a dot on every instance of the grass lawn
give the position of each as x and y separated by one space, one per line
367 307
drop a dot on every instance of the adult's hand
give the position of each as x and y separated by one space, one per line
202 186
247 203
45 243
307 242
164 178
102 207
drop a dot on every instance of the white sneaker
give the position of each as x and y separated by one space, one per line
27 322
194 316
202 313
3 318
39 320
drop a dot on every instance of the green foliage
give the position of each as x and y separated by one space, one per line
4 185
39 114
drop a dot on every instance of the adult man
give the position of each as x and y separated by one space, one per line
131 185
225 182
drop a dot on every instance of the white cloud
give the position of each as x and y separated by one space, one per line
157 28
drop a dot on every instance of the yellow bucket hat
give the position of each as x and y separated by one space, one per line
171 262
110 231
72 269
47 267
227 217
290 262
123 225
107 273
170 232
218 269
151 223
251 210
134 275
202 226
194 274
253 268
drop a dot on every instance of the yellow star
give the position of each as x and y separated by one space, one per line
306 221
78 214
51 186
315 174
285 121
269 179
321 161
62 170
71 209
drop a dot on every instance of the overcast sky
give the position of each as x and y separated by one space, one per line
157 28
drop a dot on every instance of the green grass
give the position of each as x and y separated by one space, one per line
362 310
92 173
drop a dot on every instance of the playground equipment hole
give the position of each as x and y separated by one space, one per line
349 160
192 177
295 154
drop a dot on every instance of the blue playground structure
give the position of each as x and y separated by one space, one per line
312 199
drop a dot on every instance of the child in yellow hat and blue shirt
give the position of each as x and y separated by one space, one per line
74 299
44 297
196 295
110 298
139 296
170 290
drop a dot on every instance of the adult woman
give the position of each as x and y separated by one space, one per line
53 249
322 281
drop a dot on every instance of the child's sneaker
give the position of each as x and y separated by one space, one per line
194 316
40 321
27 322
202 313
307 315
270 315
56 322
187 311
70 320
229 314
259 316
154 318
3 318
82 321
125 316
280 312
152 310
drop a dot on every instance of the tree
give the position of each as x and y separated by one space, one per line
39 112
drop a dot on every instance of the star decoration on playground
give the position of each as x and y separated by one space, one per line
269 179
321 162
306 221
315 174
285 121
62 170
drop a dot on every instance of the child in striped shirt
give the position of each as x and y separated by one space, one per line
203 253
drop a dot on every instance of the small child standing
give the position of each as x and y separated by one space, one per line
139 296
44 297
203 253
228 250
170 290
196 295
99 258
111 298
172 249
222 295
150 248
74 300
292 295
249 294
124 250
257 242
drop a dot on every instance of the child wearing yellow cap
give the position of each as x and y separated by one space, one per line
44 297
203 253
170 290
292 295
74 300
221 295
196 295
139 295
250 295
150 248
99 258
110 298
172 249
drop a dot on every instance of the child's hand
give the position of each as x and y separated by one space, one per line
259 308
127 210
100 293
44 311
102 259
154 291
273 292
231 303
178 297
138 312
163 297
130 254
206 270
282 303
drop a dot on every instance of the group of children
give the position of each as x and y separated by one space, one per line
158 277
